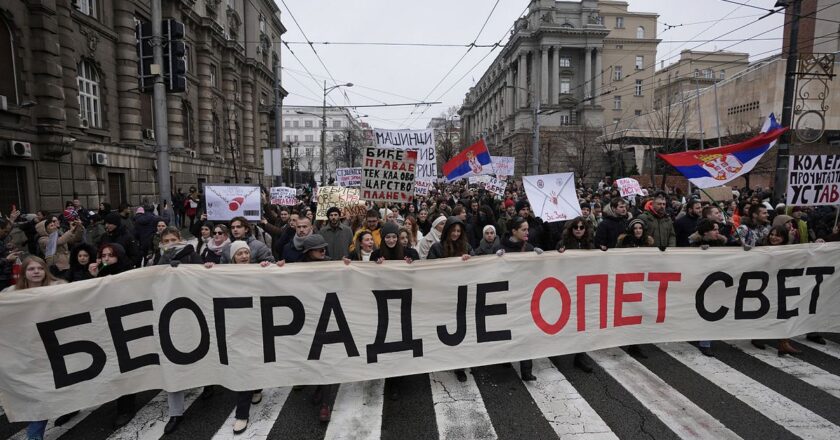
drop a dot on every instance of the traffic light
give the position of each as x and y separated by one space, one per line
145 57
174 57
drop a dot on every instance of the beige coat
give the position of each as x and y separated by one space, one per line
61 259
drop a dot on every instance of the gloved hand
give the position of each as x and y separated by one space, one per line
500 252
538 251
704 246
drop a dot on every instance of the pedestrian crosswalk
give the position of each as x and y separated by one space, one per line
676 392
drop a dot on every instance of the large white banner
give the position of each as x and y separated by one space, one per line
813 180
552 196
226 201
249 327
422 141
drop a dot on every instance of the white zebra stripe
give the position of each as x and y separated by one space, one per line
676 411
149 422
830 348
564 408
459 408
357 412
771 404
262 416
53 432
797 368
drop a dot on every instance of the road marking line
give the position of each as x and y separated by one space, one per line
357 412
149 422
561 404
459 408
53 432
771 404
830 348
261 419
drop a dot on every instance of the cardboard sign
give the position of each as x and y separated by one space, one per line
719 194
336 196
421 141
349 177
225 201
629 187
503 165
552 196
283 196
813 180
388 175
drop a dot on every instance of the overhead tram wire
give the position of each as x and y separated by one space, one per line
776 11
307 70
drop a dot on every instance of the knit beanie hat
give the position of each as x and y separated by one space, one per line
488 228
236 246
390 228
113 219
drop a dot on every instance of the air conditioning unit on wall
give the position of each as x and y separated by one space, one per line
84 123
99 159
20 149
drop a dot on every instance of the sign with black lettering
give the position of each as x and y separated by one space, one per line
813 180
246 327
421 141
388 175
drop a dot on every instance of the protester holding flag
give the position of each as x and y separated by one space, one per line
469 162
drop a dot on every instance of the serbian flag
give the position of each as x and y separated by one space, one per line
474 161
716 166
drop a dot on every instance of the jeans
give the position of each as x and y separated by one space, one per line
176 403
35 430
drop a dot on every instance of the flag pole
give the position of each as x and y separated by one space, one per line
837 216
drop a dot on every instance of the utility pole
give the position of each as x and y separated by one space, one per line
159 100
324 138
699 112
278 128
780 182
535 147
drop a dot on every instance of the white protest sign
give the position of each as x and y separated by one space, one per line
552 196
503 165
388 175
224 202
283 196
813 180
629 187
421 141
495 186
349 177
422 187
159 327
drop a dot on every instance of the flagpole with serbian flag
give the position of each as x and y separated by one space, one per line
717 166
470 162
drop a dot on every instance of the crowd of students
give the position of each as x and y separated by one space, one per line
455 221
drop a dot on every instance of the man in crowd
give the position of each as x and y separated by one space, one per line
685 225
659 223
293 251
758 225
337 235
115 232
240 229
614 223
373 225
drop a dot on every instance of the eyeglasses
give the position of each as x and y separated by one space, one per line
579 227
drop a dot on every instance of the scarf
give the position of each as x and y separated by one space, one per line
173 249
649 208
217 248
297 242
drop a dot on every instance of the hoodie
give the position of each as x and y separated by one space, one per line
437 251
611 227
77 271
123 263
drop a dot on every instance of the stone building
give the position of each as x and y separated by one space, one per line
695 70
73 121
562 62
302 136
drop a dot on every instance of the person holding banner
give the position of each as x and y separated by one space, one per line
337 235
659 223
211 251
614 223
391 248
490 243
241 230
577 234
636 236
432 237
363 247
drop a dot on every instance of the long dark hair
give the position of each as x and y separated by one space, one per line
569 237
455 248
395 253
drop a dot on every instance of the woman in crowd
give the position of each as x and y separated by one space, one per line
211 250
80 258
635 236
489 242
191 205
578 235
364 246
391 248
453 244
414 235
154 248
35 273
424 222
203 230
55 246
240 253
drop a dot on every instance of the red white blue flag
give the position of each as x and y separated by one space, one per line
717 166
470 162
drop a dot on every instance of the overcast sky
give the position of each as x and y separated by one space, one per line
403 74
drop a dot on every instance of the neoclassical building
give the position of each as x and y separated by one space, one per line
72 120
563 59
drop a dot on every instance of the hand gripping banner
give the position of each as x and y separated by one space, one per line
247 327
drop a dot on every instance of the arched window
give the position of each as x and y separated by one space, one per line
89 104
8 87
640 32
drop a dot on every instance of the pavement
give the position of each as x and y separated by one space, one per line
674 393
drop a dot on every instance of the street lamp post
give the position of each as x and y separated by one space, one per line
324 130
535 137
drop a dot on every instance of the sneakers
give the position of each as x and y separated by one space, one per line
582 363
462 377
707 351
172 424
758 344
240 425
815 338
325 413
256 398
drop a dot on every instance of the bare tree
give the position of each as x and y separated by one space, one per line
348 149
583 149
666 128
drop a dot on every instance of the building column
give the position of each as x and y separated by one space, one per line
205 108
555 76
69 58
128 98
522 84
175 120
248 115
46 72
544 77
587 73
510 106
599 77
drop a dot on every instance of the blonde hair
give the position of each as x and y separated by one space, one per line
23 283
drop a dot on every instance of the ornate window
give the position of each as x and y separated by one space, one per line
619 22
565 86
640 32
87 7
89 105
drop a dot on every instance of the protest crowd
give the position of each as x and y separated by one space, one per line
456 220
